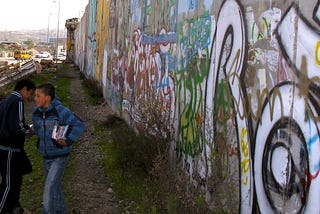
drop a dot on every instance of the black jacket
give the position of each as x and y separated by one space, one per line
12 122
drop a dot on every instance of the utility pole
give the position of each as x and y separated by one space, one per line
57 42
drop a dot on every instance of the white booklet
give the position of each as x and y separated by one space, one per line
59 132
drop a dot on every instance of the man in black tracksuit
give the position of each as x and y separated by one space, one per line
14 162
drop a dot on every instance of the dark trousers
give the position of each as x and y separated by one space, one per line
11 181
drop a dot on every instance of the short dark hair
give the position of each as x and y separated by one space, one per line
47 89
20 84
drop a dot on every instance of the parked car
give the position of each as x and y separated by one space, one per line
61 57
43 58
45 54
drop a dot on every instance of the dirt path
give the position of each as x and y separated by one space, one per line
90 191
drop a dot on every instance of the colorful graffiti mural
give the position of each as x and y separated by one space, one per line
240 79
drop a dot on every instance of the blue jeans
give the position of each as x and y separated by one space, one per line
53 199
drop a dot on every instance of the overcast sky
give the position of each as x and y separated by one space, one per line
34 14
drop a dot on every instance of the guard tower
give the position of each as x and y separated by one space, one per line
71 25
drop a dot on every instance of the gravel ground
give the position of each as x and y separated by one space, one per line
91 192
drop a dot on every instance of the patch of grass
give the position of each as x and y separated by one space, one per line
140 172
5 91
32 187
172 203
93 90
128 161
63 85
59 79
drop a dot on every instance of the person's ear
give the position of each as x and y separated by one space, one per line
23 90
48 98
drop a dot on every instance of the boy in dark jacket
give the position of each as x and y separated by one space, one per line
54 146
14 162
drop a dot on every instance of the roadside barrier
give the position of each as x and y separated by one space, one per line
10 74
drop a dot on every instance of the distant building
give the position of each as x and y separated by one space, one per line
10 45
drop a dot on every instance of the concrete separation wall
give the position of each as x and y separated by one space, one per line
240 80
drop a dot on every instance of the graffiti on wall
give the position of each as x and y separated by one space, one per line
280 129
287 157
242 83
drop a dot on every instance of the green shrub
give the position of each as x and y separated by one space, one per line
93 89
